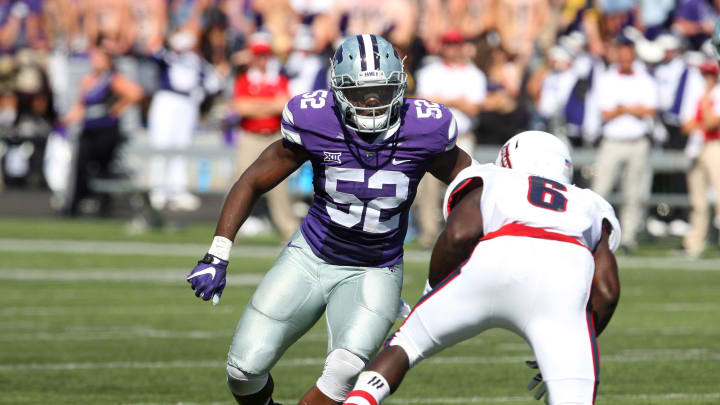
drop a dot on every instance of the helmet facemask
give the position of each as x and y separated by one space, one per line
370 104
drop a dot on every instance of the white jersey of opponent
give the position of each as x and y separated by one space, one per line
510 196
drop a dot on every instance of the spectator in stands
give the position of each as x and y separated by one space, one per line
260 96
472 18
215 42
705 169
695 20
679 86
34 120
615 15
186 79
105 95
653 16
456 82
303 64
395 20
519 23
21 25
555 90
502 115
628 99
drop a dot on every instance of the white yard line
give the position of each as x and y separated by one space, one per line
270 252
170 276
482 400
668 397
625 356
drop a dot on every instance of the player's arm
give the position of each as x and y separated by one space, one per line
605 291
272 166
455 244
276 162
449 163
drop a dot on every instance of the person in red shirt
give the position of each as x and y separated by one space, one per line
704 171
260 96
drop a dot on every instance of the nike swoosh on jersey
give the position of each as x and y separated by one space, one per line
399 162
209 270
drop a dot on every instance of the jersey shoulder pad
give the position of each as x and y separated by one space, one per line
605 212
306 114
468 179
431 120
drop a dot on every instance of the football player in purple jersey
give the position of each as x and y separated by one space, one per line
369 147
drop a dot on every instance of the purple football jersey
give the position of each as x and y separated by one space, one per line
363 191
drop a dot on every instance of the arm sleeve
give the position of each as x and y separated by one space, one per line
612 226
289 131
452 133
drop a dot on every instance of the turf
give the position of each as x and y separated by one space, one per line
108 339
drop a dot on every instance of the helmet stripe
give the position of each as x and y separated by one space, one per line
361 44
376 53
369 48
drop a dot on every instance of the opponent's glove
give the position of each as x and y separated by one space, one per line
208 278
403 310
538 379
427 288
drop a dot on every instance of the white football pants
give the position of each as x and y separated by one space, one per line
171 122
536 288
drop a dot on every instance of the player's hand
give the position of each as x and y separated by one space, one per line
535 381
208 278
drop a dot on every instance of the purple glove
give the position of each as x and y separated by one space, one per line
208 278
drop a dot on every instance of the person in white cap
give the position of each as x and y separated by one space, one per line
185 79
679 85
704 171
628 99
556 87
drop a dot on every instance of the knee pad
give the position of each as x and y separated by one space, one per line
242 384
341 368
411 350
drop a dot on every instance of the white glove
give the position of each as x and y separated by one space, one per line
404 309
427 287
538 379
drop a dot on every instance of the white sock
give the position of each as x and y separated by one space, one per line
371 388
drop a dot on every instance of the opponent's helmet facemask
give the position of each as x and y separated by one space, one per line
368 82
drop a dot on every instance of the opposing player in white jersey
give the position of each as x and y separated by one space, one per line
523 250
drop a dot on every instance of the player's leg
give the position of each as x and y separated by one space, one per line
608 162
288 301
361 308
160 129
635 187
558 326
183 128
712 151
694 240
455 310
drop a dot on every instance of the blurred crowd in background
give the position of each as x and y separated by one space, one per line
619 76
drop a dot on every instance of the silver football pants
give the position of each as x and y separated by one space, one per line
360 305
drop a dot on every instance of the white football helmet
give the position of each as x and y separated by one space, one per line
539 153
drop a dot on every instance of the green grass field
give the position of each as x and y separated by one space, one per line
83 322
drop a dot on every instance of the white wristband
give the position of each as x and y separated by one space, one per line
220 247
